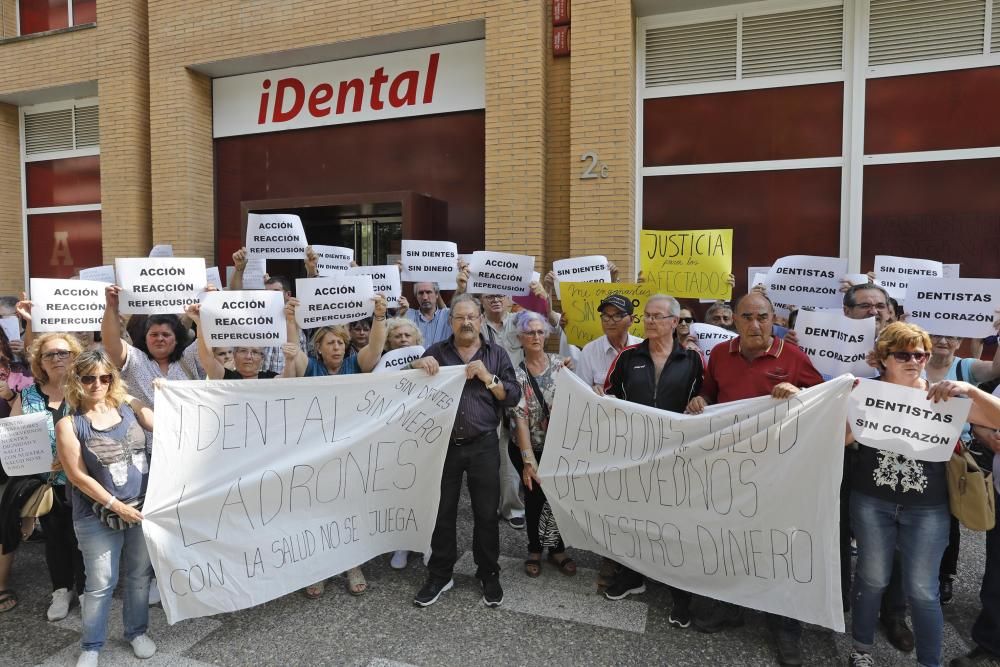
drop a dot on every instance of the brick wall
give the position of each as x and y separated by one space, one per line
11 218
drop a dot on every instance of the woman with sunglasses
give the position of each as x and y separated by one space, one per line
683 332
102 447
247 361
902 503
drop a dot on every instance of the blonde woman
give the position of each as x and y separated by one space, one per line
102 447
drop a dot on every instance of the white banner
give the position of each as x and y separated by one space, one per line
165 250
835 343
341 300
895 273
25 448
901 420
385 281
500 273
333 259
11 326
709 336
253 273
102 274
159 286
276 235
395 360
66 305
258 488
589 269
433 80
805 280
248 318
702 502
963 307
430 261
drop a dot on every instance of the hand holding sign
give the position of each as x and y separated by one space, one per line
324 301
690 263
159 286
590 269
430 261
332 260
67 305
24 445
500 273
277 235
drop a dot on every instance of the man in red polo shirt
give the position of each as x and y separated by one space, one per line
755 363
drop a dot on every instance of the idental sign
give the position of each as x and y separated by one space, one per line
419 82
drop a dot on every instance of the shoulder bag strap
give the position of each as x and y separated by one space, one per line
538 392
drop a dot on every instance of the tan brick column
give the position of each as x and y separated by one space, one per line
602 113
12 248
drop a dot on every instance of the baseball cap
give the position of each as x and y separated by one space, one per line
618 301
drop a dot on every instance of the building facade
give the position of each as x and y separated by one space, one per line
852 127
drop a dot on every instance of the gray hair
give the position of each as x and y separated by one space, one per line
465 297
524 319
719 305
397 322
436 286
672 306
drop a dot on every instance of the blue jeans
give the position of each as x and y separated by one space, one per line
921 535
103 550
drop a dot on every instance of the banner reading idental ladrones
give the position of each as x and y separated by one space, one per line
258 488
738 504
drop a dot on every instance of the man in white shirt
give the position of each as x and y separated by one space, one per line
597 355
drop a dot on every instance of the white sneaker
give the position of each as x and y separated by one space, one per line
154 592
87 659
143 647
61 600
399 560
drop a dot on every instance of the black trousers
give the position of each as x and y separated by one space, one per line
534 501
479 461
62 555
986 630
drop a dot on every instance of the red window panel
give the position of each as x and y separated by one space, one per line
948 211
64 182
771 213
60 244
769 124
84 11
42 15
937 111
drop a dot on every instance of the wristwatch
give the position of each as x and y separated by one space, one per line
494 382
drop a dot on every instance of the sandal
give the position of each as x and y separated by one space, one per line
7 597
315 591
565 564
356 583
533 567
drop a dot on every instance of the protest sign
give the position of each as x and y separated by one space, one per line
251 318
159 286
752 272
213 278
894 273
340 300
262 487
964 307
430 261
500 273
709 336
805 280
385 281
900 419
688 264
333 260
101 274
253 273
580 304
165 250
398 359
11 327
590 269
950 270
701 502
859 279
25 448
66 305
758 279
276 235
835 343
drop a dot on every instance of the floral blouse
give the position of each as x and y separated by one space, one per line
529 407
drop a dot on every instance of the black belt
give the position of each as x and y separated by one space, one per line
460 442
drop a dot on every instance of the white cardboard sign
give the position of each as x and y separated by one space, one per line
963 307
276 235
398 359
430 261
159 286
895 273
338 300
950 270
805 280
901 420
333 260
253 273
752 272
213 278
25 448
835 343
252 318
164 250
385 281
709 336
11 327
102 274
500 273
67 305
589 269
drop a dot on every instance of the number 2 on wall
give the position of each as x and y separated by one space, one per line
596 168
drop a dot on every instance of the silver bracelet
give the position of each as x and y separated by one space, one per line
111 501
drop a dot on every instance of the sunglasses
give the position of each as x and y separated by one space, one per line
686 320
91 379
903 357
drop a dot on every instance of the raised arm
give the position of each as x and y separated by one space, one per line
239 266
295 367
213 369
23 310
982 371
111 327
68 449
369 355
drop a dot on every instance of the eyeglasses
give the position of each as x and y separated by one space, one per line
361 327
91 379
56 354
534 333
903 357
248 352
950 339
466 318
613 318
686 320
493 297
655 317
869 306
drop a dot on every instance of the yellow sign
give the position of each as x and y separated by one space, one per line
580 302
689 264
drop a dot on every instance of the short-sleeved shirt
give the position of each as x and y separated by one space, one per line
433 331
899 479
263 375
317 368
729 376
529 407
139 371
596 358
